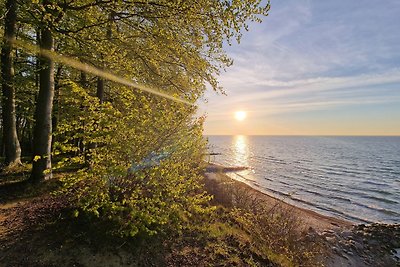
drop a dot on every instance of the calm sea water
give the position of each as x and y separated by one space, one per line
355 178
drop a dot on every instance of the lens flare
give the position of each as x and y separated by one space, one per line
93 70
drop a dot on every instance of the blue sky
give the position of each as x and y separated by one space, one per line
314 68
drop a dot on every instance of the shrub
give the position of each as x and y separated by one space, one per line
141 160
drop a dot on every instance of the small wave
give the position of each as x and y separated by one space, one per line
344 199
353 171
379 209
395 162
375 183
314 192
303 168
380 199
385 169
322 188
302 161
379 191
276 192
270 159
282 182
327 195
331 211
344 171
268 179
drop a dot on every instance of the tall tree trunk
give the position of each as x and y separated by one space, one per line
41 168
10 137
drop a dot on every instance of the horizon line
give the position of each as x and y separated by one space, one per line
304 135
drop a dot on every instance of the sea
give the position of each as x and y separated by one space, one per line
354 178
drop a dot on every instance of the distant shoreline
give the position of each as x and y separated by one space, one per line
310 218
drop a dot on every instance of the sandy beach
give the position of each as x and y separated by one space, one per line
310 218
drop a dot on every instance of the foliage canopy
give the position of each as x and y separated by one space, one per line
138 156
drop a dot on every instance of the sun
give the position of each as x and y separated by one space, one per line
240 115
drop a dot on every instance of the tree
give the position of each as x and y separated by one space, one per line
10 138
145 170
169 45
42 135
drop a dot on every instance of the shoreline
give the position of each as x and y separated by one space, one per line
310 218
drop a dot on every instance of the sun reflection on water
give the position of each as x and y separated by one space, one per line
241 150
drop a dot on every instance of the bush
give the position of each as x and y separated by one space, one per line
141 160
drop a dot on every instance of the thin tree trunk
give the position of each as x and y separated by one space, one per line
41 168
100 96
100 89
56 102
37 87
82 148
10 137
83 80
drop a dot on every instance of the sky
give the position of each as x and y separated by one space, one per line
313 67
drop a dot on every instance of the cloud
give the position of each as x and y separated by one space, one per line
266 89
314 55
302 39
319 93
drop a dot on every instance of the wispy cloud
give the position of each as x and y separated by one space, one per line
271 97
314 55
266 89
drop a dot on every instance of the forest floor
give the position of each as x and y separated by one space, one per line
38 229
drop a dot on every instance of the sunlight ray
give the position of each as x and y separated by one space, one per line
93 70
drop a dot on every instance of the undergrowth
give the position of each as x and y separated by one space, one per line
272 231
241 231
